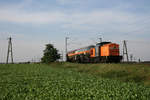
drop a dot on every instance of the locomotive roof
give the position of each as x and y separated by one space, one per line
102 43
91 46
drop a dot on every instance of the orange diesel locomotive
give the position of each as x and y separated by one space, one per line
102 52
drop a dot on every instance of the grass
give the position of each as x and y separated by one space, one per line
68 81
138 73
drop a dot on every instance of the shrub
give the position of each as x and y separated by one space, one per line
50 54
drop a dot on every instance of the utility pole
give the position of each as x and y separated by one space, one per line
62 55
9 50
125 51
131 57
66 43
100 40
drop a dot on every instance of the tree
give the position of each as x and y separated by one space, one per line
50 54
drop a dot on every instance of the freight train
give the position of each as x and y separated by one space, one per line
101 52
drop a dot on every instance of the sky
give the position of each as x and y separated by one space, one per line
34 23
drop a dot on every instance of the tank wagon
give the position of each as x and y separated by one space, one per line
101 52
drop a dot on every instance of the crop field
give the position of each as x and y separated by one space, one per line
68 82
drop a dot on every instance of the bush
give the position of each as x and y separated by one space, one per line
50 54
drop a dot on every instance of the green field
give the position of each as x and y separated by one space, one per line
67 81
136 72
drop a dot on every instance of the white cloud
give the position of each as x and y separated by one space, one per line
94 19
23 17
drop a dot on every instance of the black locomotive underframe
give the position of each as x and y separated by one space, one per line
88 59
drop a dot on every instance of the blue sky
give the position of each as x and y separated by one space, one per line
34 23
